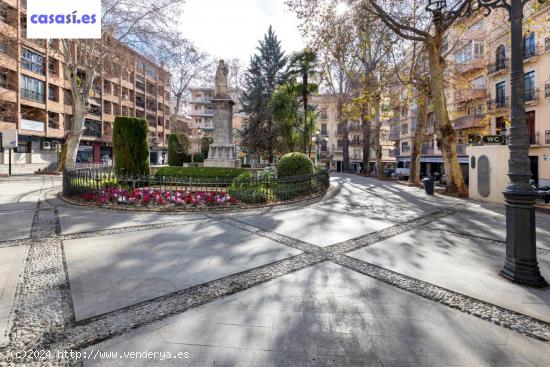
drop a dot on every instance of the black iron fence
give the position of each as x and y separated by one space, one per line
99 185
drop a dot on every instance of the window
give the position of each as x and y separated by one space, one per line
530 91
529 47
32 89
501 94
547 44
32 61
23 148
151 72
547 90
3 79
501 57
324 129
3 13
500 126
53 122
547 137
52 67
324 113
405 146
473 50
52 92
404 129
475 110
92 128
478 83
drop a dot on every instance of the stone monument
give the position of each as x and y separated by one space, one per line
222 153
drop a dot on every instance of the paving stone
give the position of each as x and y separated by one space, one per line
115 271
463 265
330 338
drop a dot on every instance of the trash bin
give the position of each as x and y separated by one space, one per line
429 184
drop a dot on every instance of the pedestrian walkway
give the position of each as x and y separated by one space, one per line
375 274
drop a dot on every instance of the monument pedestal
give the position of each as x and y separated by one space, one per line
222 155
222 152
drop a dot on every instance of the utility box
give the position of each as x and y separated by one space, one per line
488 172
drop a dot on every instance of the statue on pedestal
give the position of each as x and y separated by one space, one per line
221 88
222 153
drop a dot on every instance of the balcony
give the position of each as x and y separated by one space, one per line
531 53
427 149
395 133
466 95
498 67
470 121
501 102
470 65
531 95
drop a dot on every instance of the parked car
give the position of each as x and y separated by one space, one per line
402 173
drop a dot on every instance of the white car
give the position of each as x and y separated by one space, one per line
402 173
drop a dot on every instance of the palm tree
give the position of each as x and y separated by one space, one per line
303 65
283 106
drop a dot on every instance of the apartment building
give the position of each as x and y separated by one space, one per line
331 138
479 92
202 114
35 99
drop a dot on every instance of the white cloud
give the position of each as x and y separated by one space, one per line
232 28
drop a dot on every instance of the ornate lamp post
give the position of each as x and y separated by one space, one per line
521 264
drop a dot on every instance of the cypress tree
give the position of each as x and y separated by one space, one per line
130 147
265 73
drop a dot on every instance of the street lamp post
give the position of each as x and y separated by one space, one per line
521 264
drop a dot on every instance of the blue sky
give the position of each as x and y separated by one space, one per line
231 28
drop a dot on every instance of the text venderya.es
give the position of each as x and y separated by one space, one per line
72 18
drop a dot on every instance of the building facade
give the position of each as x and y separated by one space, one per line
478 77
35 99
331 146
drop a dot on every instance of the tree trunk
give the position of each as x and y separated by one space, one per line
419 134
345 138
376 141
305 101
446 134
366 124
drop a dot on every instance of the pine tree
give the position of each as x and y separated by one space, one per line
265 73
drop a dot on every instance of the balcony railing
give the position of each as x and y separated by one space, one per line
470 65
470 94
427 149
469 121
531 52
497 67
531 95
501 102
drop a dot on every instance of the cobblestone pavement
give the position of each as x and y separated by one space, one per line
376 274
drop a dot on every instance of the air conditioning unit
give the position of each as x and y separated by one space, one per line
46 145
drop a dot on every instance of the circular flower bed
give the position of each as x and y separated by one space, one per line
100 186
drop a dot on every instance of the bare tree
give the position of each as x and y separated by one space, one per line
332 37
188 66
141 26
409 20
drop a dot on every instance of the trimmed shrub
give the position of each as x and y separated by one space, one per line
198 158
178 149
130 146
246 189
294 164
200 172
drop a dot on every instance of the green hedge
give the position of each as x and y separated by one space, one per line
130 146
248 190
200 172
294 164
178 149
